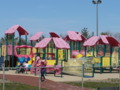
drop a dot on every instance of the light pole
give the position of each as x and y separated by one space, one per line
97 2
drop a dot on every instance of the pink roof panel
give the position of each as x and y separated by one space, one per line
81 37
60 43
43 43
54 34
73 36
15 28
103 39
113 42
91 41
36 36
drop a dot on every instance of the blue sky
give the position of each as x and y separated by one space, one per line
59 16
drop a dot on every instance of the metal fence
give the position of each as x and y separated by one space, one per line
84 77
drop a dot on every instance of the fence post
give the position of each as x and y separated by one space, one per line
93 70
39 79
82 76
3 76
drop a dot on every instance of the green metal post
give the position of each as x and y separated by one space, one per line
19 39
35 60
37 52
19 42
111 59
76 44
48 48
52 48
44 53
79 47
13 50
93 52
31 42
70 49
25 43
85 51
1 49
96 50
83 70
25 39
64 54
119 57
67 55
101 69
61 67
6 64
56 56
93 71
104 50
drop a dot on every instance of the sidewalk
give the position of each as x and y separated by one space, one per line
48 84
69 78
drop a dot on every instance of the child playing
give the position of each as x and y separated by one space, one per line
43 70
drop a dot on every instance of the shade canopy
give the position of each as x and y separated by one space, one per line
74 36
81 36
54 34
15 28
36 36
43 43
59 43
102 39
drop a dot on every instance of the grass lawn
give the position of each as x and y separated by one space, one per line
94 85
17 86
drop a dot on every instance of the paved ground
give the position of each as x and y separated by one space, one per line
53 83
68 78
34 81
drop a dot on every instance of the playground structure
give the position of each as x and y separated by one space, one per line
73 49
35 38
103 62
26 56
53 48
75 40
11 33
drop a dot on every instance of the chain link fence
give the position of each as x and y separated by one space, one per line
84 77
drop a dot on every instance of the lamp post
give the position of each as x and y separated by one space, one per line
97 2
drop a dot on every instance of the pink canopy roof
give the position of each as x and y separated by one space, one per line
18 28
81 36
72 36
59 43
103 39
113 42
36 36
54 34
43 43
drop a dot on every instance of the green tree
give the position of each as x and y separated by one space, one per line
3 39
106 33
85 32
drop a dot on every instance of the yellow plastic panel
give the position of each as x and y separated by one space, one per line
51 62
106 61
79 56
96 60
